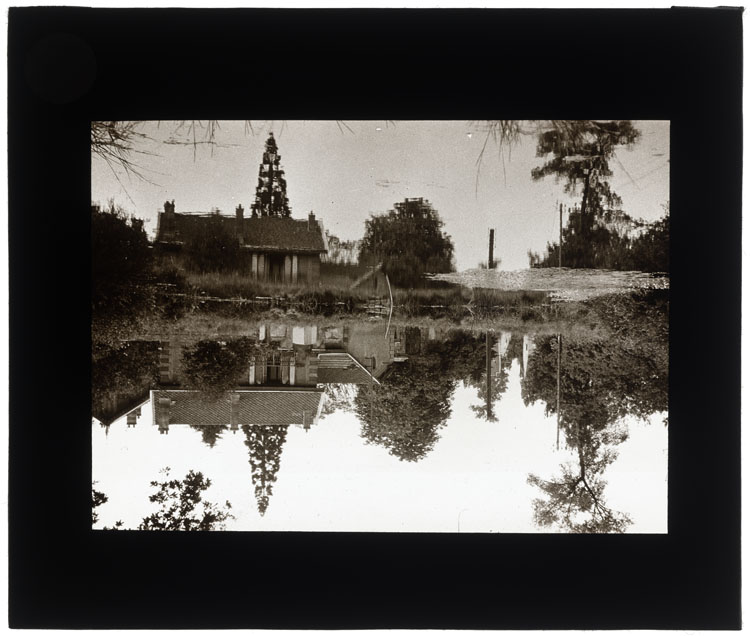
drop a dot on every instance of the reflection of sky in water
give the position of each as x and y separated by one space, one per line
331 480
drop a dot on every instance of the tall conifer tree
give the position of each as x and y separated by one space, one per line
270 193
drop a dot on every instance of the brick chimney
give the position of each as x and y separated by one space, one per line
165 222
240 216
311 220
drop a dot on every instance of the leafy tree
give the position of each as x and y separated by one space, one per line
650 250
216 367
123 277
408 241
615 242
183 507
120 261
604 245
579 152
214 249
265 444
575 500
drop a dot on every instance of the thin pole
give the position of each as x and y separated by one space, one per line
559 346
490 259
559 255
390 312
488 357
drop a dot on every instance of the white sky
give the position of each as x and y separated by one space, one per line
330 480
346 176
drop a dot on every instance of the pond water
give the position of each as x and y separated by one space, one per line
312 427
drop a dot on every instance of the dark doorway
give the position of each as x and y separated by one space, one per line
276 268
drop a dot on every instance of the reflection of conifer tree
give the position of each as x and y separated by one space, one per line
265 444
575 500
210 434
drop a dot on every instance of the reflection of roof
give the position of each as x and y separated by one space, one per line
342 368
123 407
255 407
267 233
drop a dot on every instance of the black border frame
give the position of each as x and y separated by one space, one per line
680 64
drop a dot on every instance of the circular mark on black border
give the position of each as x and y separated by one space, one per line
61 68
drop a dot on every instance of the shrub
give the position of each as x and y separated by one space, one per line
120 260
215 249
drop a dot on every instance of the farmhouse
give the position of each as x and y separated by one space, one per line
275 247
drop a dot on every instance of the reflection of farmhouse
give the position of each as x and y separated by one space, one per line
283 384
243 407
275 247
130 407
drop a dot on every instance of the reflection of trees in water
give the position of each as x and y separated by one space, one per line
98 498
215 367
575 500
120 375
601 381
210 434
405 413
498 384
338 397
183 506
265 444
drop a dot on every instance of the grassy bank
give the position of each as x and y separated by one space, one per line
604 317
229 303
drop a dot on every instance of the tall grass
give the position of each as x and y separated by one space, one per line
235 285
503 298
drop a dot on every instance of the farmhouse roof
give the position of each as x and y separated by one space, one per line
267 233
283 233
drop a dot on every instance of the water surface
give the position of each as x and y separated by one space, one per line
345 428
